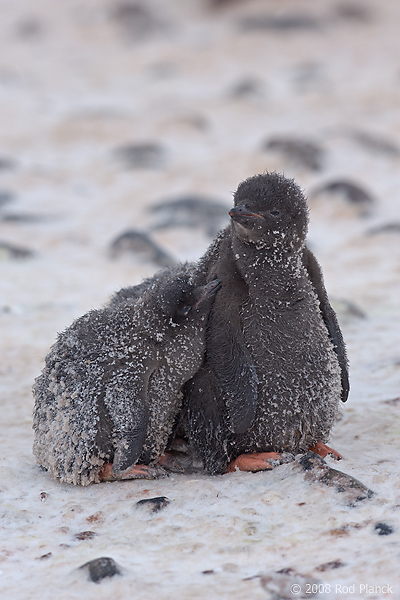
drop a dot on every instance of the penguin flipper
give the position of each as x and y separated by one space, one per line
129 447
237 377
126 402
329 317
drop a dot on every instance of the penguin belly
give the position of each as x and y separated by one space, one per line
298 373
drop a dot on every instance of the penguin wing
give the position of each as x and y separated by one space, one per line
236 374
329 317
126 403
129 446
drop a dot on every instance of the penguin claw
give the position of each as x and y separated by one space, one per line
259 461
136 472
323 450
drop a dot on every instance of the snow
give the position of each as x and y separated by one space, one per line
75 85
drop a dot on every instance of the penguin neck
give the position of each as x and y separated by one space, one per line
258 264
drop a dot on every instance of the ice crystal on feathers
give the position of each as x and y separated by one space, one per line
107 392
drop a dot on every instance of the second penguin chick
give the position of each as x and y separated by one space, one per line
275 367
110 388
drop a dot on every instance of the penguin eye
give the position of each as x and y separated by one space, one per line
185 311
275 212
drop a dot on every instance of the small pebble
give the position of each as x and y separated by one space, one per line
141 246
5 197
353 12
247 88
154 504
141 156
383 529
351 192
385 228
9 251
135 19
44 556
30 28
22 218
190 211
85 535
6 163
346 310
318 471
376 144
102 567
333 564
292 22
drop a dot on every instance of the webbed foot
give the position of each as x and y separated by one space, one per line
323 450
259 461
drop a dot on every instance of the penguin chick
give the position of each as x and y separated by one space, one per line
110 388
275 367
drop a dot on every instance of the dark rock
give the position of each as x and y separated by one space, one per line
376 144
307 75
6 164
333 564
22 218
44 556
385 228
305 153
350 192
141 156
383 529
317 470
30 28
141 246
85 535
154 504
292 22
393 401
5 197
190 211
102 567
346 310
353 12
8 251
223 3
136 20
247 88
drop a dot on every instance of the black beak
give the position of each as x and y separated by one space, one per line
237 213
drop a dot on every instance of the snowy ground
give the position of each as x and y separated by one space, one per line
210 84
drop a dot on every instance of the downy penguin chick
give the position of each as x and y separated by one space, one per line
275 367
110 390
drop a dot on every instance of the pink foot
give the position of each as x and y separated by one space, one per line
136 472
257 461
323 450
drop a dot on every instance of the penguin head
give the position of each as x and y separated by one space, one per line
270 211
